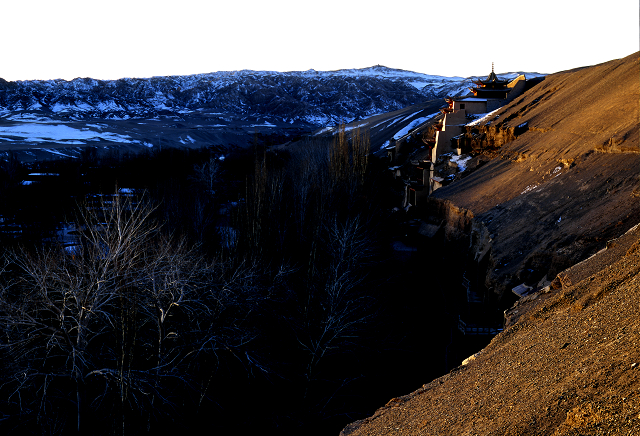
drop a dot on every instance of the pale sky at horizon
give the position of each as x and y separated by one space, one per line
50 39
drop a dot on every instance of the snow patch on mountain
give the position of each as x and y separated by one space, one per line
187 140
461 161
57 152
411 126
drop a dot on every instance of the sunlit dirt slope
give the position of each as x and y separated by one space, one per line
568 361
557 193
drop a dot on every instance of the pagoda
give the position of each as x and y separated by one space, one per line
493 87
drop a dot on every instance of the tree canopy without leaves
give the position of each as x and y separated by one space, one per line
113 326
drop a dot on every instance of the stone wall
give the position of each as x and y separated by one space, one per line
517 86
478 106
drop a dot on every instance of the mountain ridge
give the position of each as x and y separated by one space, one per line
223 110
313 97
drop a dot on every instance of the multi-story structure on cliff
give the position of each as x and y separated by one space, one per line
488 95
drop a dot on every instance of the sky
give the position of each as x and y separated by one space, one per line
65 39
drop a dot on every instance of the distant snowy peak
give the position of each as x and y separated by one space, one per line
418 80
392 73
375 71
379 71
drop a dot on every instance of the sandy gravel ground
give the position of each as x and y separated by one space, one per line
570 365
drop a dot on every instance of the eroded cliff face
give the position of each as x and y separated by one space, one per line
471 236
487 137
553 193
466 243
457 221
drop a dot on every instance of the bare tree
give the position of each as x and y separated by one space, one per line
118 321
208 174
335 311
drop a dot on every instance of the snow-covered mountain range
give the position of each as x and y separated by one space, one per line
313 97
223 109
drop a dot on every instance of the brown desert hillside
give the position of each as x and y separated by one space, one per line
560 201
559 191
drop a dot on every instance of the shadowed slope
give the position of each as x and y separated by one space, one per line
570 365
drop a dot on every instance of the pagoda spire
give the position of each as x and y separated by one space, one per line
492 87
492 77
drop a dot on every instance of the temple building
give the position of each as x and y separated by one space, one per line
492 87
488 95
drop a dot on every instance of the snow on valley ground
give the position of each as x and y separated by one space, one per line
36 135
42 137
58 133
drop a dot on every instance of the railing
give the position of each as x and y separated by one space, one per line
474 330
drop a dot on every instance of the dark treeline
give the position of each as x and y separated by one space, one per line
255 293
